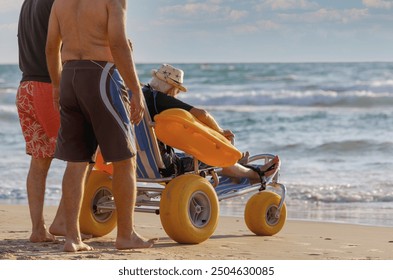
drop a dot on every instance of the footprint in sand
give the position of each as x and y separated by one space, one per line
350 245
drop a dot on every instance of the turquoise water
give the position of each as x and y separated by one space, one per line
331 124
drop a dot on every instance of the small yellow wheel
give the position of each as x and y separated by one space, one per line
189 209
98 191
261 212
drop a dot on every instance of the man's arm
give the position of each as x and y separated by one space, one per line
122 55
204 117
53 58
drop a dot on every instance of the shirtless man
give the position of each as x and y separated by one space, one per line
88 51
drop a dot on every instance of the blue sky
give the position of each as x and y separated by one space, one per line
176 31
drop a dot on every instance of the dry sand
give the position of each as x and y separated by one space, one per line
298 240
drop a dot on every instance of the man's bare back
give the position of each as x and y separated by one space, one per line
87 39
92 30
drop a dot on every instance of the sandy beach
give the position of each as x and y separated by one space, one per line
298 240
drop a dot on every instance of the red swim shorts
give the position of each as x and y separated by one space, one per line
39 120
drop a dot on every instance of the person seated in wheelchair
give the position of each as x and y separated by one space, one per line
160 94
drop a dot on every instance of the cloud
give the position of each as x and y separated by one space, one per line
211 8
9 27
287 4
379 4
191 9
262 25
327 15
236 14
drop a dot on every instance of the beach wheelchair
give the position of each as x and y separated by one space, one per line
188 205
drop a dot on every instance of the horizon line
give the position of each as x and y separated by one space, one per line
249 62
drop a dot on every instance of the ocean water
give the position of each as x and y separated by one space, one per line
331 124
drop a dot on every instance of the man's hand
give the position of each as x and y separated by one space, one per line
137 108
228 134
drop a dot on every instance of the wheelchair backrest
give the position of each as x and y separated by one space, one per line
149 159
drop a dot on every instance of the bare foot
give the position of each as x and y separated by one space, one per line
245 157
71 246
58 229
43 236
271 168
135 242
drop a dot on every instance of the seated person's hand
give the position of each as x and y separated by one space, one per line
228 134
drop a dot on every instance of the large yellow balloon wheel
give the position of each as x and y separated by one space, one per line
189 209
262 216
98 191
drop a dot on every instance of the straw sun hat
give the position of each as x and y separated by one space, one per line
170 75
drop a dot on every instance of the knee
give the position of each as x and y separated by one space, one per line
125 164
76 168
40 165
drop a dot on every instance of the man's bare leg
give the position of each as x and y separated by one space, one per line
73 180
271 167
239 171
36 184
124 191
58 227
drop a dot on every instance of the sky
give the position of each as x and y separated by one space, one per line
228 31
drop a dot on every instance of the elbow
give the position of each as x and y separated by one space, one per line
51 50
48 51
119 49
48 54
